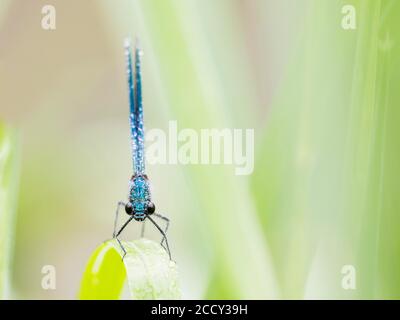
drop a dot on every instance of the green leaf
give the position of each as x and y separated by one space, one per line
150 273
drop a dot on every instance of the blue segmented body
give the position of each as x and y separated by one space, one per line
139 205
139 195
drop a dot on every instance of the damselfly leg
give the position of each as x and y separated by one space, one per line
119 205
143 227
115 236
163 234
119 232
166 227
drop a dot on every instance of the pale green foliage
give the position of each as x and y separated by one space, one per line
8 184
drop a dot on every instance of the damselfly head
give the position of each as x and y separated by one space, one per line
139 209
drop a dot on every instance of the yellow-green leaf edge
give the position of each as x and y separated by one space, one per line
147 267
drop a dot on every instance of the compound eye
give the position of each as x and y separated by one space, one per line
151 208
128 208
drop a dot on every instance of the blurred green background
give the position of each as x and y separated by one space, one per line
324 104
